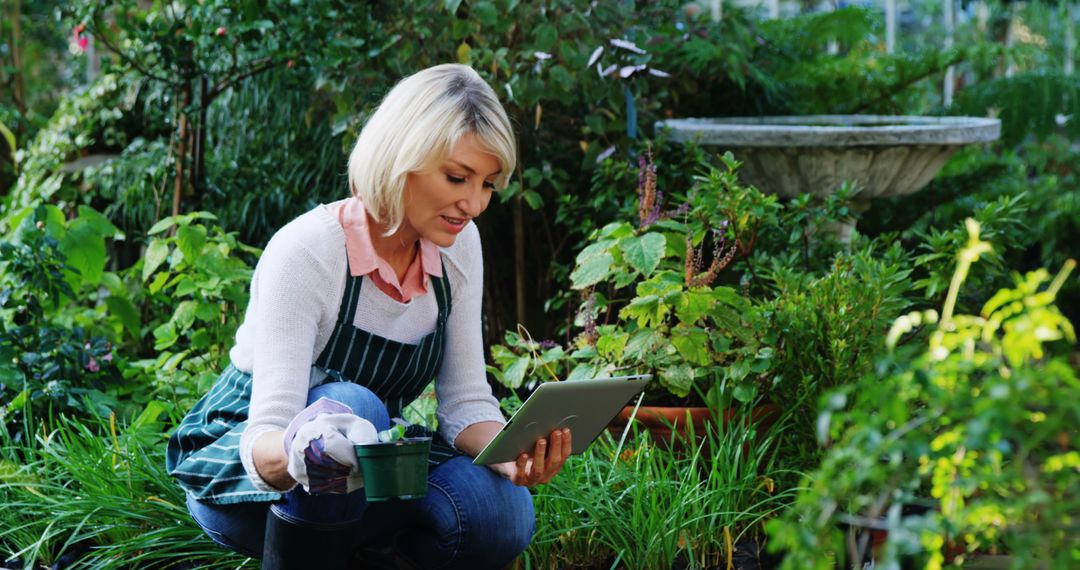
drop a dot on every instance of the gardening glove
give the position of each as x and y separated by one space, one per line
319 444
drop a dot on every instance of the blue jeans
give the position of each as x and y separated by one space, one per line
470 518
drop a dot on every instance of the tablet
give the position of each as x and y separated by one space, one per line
584 406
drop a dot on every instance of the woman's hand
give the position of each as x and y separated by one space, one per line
542 464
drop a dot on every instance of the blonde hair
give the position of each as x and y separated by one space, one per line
414 129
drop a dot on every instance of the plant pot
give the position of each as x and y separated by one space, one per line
659 421
395 470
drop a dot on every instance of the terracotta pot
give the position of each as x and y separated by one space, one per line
660 420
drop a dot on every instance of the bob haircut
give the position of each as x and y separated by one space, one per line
414 129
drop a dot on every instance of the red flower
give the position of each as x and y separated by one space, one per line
79 38
221 31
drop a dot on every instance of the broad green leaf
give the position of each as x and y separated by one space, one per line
149 417
162 225
678 379
169 361
695 304
158 282
125 312
582 372
185 287
533 199
207 311
643 253
156 254
646 310
18 402
113 283
514 374
692 344
642 343
200 339
562 77
165 336
611 345
486 13
745 392
616 231
593 265
184 315
546 36
85 251
191 240
98 221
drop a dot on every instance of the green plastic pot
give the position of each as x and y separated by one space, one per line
396 469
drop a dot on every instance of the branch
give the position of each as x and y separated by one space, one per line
257 68
893 90
99 32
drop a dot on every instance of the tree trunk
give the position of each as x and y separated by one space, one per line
519 256
198 164
182 149
16 57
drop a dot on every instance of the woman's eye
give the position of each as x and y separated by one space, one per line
489 185
455 179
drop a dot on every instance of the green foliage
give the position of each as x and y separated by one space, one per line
660 310
196 287
54 352
1028 104
89 120
861 77
95 492
829 328
976 420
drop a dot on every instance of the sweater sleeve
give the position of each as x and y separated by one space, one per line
291 291
461 387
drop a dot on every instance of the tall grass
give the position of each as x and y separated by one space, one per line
94 494
651 505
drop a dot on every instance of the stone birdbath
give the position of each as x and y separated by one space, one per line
882 155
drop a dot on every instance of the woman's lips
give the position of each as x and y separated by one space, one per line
453 225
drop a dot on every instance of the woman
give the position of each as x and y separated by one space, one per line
355 307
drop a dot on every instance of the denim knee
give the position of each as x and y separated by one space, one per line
479 519
362 401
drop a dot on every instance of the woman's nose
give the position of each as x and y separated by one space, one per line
475 203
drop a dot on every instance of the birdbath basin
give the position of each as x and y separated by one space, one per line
882 155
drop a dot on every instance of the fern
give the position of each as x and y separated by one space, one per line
1027 104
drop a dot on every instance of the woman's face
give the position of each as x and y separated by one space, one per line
439 202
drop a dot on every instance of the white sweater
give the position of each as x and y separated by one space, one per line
296 293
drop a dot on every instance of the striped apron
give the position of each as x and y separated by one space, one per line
204 452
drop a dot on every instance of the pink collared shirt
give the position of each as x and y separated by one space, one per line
363 260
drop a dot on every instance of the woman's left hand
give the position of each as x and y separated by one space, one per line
542 464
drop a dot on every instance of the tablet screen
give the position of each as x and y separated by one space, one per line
584 406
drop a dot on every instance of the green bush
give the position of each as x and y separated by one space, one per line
974 419
55 348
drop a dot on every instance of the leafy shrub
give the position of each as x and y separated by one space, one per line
976 420
195 291
54 352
